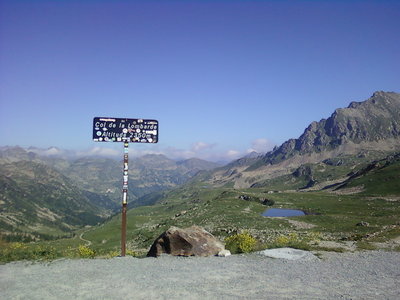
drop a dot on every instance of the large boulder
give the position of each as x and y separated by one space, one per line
191 241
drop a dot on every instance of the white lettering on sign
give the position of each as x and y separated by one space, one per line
125 130
99 125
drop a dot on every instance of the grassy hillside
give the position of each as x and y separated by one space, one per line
380 179
330 172
330 218
38 201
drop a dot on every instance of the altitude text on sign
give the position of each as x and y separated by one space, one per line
125 130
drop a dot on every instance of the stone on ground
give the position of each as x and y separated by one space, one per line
191 241
224 253
288 253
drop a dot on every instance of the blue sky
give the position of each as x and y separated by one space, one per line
221 77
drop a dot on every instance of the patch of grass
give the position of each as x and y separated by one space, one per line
382 181
21 251
294 240
329 249
386 234
364 245
116 253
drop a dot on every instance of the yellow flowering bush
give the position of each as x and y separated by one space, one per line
86 252
240 243
17 245
287 240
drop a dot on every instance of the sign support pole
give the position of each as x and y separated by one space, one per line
124 199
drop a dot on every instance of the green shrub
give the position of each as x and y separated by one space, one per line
240 243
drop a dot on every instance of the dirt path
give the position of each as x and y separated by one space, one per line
359 275
88 243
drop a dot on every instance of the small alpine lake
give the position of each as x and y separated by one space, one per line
283 212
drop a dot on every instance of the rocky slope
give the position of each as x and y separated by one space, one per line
38 201
374 120
368 128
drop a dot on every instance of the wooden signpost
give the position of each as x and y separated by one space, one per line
126 131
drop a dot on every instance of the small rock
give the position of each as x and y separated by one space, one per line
224 253
363 223
267 202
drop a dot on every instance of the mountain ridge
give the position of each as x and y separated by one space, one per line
148 173
370 125
348 125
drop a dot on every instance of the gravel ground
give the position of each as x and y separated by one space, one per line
360 275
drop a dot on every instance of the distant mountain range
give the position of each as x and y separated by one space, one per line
50 194
358 134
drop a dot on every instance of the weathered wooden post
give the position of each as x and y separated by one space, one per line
124 200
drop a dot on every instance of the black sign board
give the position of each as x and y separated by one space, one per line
125 130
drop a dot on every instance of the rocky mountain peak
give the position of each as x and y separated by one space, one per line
376 119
